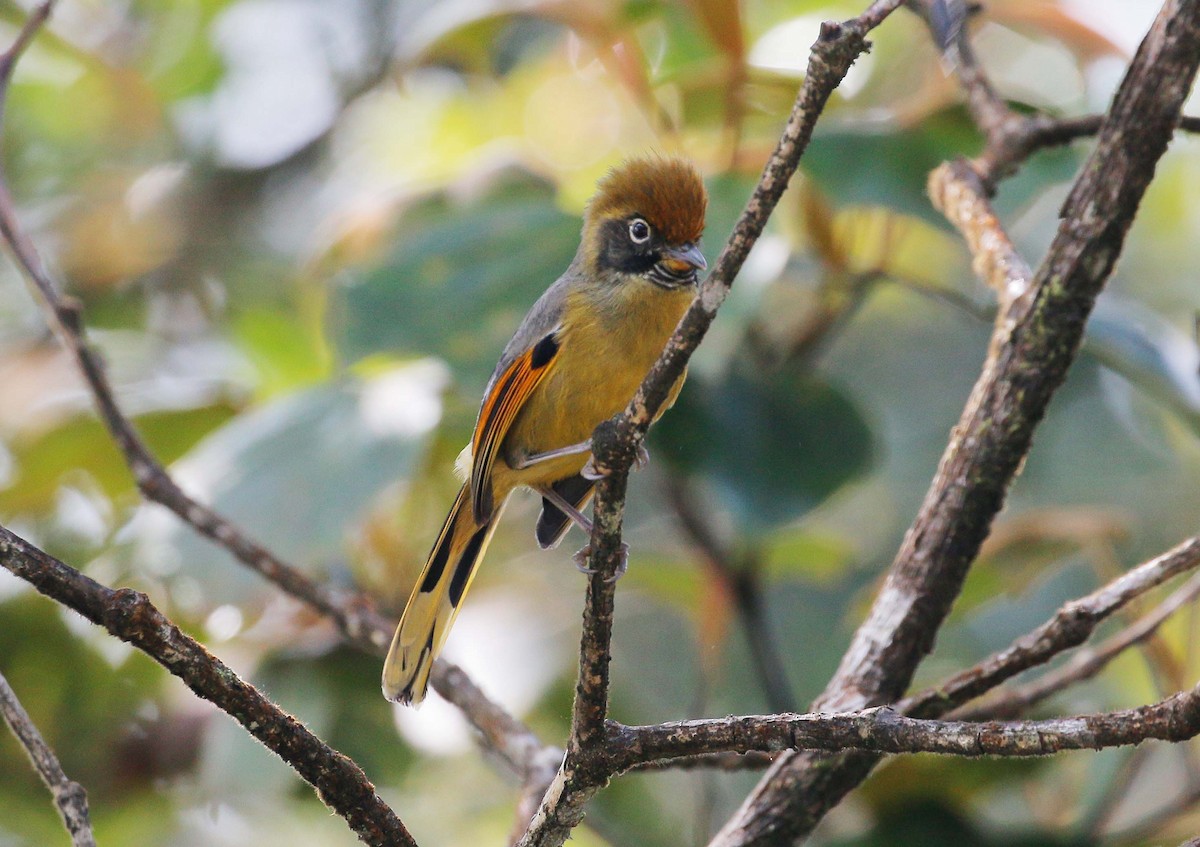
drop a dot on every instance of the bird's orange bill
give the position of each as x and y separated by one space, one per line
500 408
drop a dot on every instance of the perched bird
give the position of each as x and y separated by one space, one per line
576 360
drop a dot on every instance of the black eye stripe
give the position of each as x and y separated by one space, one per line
619 252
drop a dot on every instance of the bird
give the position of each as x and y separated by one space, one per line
576 359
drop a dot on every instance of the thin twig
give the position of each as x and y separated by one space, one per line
8 59
1010 136
353 613
957 191
130 616
69 796
1084 665
1070 626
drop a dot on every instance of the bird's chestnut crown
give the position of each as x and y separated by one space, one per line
646 219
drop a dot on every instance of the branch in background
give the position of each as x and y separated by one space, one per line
130 616
947 23
958 192
1070 626
1150 826
741 577
615 442
1037 340
353 613
883 730
1010 136
1045 131
743 742
1085 664
69 796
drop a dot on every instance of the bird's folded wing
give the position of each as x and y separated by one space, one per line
500 408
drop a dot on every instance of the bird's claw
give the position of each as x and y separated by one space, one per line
590 471
581 557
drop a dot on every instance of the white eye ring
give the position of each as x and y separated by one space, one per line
639 231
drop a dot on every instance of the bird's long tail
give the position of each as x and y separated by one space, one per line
435 601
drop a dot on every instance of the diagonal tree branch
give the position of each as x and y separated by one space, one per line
615 442
69 796
958 192
909 728
353 613
130 616
1084 665
1071 625
1010 136
1038 337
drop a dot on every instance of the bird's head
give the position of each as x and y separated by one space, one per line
646 220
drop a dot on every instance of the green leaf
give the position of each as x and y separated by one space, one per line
773 446
459 277
287 356
890 169
297 472
84 443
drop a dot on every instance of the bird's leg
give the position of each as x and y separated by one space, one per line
639 462
583 522
545 456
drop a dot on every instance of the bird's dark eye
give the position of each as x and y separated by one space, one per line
639 231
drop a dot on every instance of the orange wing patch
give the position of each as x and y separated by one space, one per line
500 408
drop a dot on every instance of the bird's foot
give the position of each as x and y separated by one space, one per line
581 559
590 471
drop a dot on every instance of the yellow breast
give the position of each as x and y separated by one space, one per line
609 339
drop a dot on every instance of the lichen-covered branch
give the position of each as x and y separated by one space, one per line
958 192
69 796
1039 340
883 730
130 616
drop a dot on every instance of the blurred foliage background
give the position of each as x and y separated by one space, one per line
302 231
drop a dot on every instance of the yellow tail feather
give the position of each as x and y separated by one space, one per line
435 601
